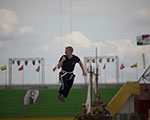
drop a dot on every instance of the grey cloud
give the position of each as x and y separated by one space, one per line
9 26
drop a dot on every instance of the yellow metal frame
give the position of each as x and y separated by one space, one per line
128 89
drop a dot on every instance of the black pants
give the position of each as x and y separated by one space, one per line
66 83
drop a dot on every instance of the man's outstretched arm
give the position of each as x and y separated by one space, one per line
82 67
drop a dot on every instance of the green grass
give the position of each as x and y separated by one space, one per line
50 106
10 102
107 93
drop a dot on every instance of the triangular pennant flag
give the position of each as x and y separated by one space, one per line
134 65
21 68
104 66
122 67
3 68
38 69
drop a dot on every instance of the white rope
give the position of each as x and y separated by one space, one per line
61 25
61 30
71 20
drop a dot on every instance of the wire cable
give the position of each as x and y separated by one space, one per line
60 7
71 20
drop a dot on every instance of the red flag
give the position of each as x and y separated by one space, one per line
145 36
21 68
38 69
122 67
104 66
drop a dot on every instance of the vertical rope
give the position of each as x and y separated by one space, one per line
71 20
61 24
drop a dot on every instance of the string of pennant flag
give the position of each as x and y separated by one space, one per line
122 66
3 68
132 66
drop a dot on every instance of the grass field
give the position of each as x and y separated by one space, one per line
11 102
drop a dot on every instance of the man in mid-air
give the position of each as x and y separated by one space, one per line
66 76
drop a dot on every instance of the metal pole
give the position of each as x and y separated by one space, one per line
96 58
85 66
23 75
144 62
91 77
43 71
6 77
71 20
122 76
105 75
10 71
39 75
137 72
96 79
117 69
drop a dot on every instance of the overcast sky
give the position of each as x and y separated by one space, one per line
42 28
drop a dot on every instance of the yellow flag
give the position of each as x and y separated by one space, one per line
134 65
3 68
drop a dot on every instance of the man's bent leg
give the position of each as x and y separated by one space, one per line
69 85
61 93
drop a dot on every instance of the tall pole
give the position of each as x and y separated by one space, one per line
43 70
39 75
144 62
71 20
23 76
100 77
10 71
85 63
91 83
6 77
117 69
137 72
105 75
122 76
60 26
96 58
96 78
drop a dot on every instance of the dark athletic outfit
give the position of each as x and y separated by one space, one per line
66 75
